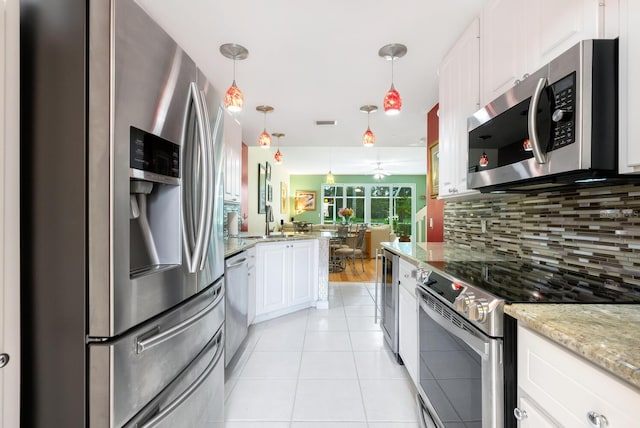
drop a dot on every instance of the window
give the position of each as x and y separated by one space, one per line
372 203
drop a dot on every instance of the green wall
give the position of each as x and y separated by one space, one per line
315 182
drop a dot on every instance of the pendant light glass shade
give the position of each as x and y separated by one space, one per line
264 139
329 179
368 138
392 103
233 98
278 157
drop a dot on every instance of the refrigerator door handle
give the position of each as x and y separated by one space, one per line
193 245
211 197
147 341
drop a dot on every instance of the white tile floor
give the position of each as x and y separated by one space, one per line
320 369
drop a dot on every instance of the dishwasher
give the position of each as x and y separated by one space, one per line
236 270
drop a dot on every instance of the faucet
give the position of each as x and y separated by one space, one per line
268 217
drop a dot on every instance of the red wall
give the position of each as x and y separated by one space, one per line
435 207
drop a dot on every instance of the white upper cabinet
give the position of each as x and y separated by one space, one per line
459 88
629 92
232 158
503 47
518 36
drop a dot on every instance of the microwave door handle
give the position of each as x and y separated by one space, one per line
533 119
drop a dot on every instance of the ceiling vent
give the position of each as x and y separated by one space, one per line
326 122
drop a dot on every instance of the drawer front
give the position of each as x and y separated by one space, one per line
568 387
140 364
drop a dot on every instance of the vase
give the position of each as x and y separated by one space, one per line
347 220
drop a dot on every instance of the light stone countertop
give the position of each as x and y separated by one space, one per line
244 241
606 335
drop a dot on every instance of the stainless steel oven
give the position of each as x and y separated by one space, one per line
461 378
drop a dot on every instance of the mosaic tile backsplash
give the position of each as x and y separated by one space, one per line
594 231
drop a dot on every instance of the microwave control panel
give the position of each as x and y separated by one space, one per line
563 112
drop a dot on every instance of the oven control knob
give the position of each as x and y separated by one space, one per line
478 310
463 301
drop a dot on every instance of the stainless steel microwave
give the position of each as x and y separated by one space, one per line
557 128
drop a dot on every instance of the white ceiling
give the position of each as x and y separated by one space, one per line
319 61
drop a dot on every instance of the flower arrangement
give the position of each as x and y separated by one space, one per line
345 213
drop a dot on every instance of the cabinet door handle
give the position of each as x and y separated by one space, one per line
520 414
596 420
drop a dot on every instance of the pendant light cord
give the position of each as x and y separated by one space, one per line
392 61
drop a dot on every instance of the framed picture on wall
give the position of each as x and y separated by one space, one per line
434 170
284 196
305 200
262 189
268 169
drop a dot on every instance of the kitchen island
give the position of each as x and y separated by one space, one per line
234 245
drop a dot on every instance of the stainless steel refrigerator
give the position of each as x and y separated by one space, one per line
123 295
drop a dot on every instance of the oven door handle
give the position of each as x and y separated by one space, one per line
477 344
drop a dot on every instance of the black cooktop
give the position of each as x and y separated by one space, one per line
518 281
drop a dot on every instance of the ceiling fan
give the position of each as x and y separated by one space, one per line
379 173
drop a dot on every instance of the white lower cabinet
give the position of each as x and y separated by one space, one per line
559 388
532 417
286 277
408 319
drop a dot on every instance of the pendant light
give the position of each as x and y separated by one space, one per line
368 138
233 98
278 156
484 160
264 139
392 100
330 179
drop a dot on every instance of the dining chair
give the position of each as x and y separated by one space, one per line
356 250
